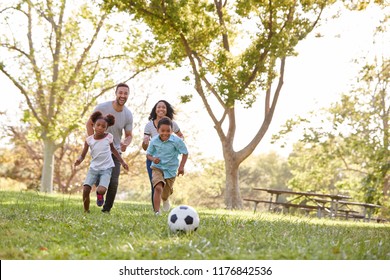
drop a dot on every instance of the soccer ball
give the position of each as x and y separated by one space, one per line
183 218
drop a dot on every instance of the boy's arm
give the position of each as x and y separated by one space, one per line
182 164
118 156
150 151
156 160
83 154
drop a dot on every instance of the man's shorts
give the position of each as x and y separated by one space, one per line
157 177
104 177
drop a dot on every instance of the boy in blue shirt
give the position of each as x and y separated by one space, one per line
163 151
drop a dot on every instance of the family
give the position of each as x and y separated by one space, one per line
163 142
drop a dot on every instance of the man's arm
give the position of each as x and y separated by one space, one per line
126 142
145 142
89 127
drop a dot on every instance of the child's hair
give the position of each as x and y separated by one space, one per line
110 119
170 110
164 120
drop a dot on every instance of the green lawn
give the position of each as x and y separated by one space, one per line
40 226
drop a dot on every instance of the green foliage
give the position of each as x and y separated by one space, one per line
360 5
235 51
315 168
71 54
349 149
53 227
264 171
212 35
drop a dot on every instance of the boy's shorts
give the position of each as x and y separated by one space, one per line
103 176
157 177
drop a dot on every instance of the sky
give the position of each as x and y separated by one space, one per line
315 78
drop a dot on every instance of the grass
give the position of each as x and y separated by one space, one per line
37 226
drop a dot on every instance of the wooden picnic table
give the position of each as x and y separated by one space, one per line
275 193
344 212
368 208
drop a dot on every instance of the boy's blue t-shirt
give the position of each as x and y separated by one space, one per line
168 153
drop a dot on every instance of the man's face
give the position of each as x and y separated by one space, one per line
122 93
165 131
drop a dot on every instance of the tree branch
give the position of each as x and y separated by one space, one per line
225 39
40 92
24 92
248 149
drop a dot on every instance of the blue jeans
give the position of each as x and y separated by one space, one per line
148 163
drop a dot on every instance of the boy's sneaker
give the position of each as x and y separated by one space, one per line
100 200
166 205
157 213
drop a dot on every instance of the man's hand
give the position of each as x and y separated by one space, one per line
125 166
78 161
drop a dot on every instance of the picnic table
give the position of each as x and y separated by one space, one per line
344 209
333 199
368 208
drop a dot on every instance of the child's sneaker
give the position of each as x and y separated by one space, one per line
157 213
99 200
166 205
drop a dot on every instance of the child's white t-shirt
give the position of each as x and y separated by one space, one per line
101 152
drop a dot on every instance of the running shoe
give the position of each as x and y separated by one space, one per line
100 200
166 205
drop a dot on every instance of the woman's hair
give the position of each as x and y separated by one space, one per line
164 120
170 110
110 119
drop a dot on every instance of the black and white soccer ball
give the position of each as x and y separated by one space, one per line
183 218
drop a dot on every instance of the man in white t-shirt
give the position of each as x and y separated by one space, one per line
123 123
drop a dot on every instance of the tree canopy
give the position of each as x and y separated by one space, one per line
62 56
235 52
349 149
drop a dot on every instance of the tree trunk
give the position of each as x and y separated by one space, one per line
48 166
232 191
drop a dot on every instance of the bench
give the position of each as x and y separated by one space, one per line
348 213
379 220
368 208
286 205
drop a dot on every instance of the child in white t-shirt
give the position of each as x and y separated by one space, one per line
101 147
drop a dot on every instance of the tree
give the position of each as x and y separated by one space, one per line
366 111
236 52
23 162
62 56
349 149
